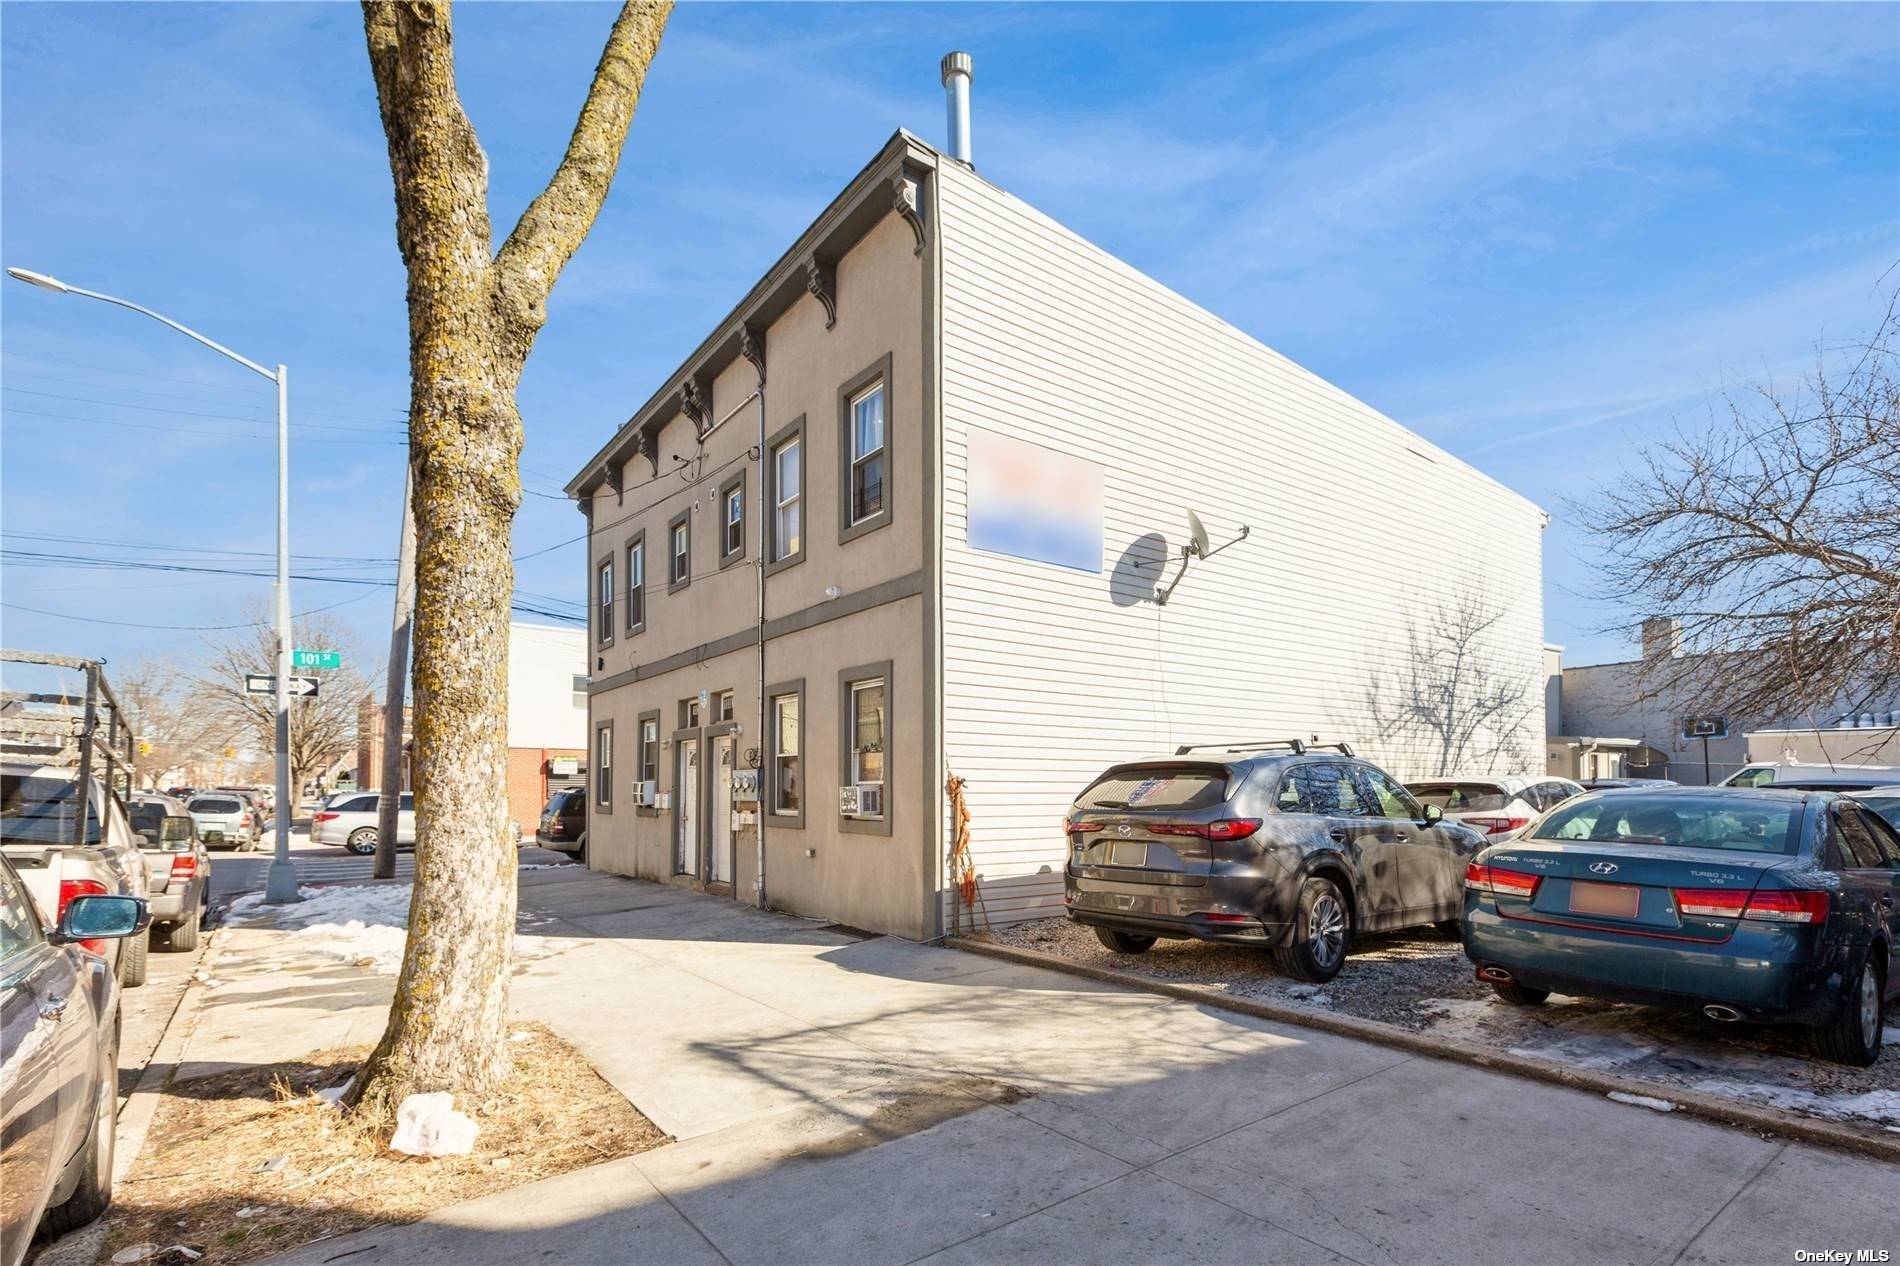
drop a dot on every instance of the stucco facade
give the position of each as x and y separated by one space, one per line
925 631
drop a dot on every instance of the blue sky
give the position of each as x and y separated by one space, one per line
1535 234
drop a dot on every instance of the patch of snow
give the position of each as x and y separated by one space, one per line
252 1210
1881 1106
365 926
134 1253
1590 1050
429 1125
333 1095
1643 1101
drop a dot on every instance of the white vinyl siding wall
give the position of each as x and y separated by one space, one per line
1052 674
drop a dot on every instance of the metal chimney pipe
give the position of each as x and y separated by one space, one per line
956 86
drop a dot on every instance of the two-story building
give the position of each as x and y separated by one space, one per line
909 513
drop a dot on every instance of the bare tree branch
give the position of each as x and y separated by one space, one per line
1773 536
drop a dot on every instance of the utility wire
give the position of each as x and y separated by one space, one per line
185 430
391 429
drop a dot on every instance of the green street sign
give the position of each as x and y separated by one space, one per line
316 659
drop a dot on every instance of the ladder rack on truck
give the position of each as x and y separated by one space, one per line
87 731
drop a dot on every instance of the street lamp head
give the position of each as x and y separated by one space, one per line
39 279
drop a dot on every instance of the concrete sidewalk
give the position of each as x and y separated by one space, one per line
846 1100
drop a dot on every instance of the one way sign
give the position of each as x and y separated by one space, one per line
265 684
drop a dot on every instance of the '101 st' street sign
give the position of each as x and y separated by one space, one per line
316 659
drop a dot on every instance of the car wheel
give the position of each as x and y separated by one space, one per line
1322 933
135 951
1519 995
1853 1038
94 1192
184 933
362 841
1124 942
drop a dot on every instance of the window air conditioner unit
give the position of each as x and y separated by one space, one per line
861 800
646 793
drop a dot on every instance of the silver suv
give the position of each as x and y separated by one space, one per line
1292 847
349 822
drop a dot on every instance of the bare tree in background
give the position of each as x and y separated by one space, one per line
1773 536
159 703
322 728
1447 699
474 312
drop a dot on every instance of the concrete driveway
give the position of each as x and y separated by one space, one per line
846 1100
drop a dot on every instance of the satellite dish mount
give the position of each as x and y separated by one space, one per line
1197 547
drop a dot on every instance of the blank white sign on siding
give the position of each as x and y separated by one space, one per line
1031 502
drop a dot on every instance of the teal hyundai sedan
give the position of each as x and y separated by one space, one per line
1746 904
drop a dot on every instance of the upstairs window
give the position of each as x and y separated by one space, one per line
788 488
868 464
636 584
734 542
605 601
679 551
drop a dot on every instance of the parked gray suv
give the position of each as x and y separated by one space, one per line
1292 847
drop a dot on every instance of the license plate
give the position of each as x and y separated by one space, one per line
1128 853
1618 901
214 835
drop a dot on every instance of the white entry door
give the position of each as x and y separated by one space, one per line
721 862
686 809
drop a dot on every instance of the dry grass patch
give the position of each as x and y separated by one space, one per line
253 1162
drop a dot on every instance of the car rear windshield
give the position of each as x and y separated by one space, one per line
1157 787
361 804
215 804
39 810
1738 823
1886 804
1459 797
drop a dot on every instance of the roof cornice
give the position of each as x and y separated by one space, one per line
880 189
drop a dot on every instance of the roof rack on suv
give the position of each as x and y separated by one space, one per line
1298 747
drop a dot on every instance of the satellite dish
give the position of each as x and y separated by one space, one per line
1197 547
1198 533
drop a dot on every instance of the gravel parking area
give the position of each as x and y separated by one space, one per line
1423 982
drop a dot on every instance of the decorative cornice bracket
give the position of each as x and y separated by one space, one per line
821 278
905 200
696 404
752 347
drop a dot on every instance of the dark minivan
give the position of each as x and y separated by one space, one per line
1292 847
1749 904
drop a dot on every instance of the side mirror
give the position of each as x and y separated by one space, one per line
97 918
1433 815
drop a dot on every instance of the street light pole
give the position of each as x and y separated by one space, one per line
281 885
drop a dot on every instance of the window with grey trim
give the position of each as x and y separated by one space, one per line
650 747
732 519
865 437
785 746
867 454
864 756
679 551
722 706
788 495
604 767
867 718
637 583
604 600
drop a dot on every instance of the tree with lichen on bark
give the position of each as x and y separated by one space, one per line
473 316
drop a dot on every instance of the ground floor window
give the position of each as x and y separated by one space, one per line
604 767
650 749
864 749
787 756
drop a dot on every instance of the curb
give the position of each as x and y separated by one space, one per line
1693 1102
135 1118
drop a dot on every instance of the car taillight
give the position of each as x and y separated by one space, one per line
184 865
324 817
1495 826
554 828
1225 829
1768 905
1495 879
72 888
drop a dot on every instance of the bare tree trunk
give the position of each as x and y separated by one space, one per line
473 317
402 622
